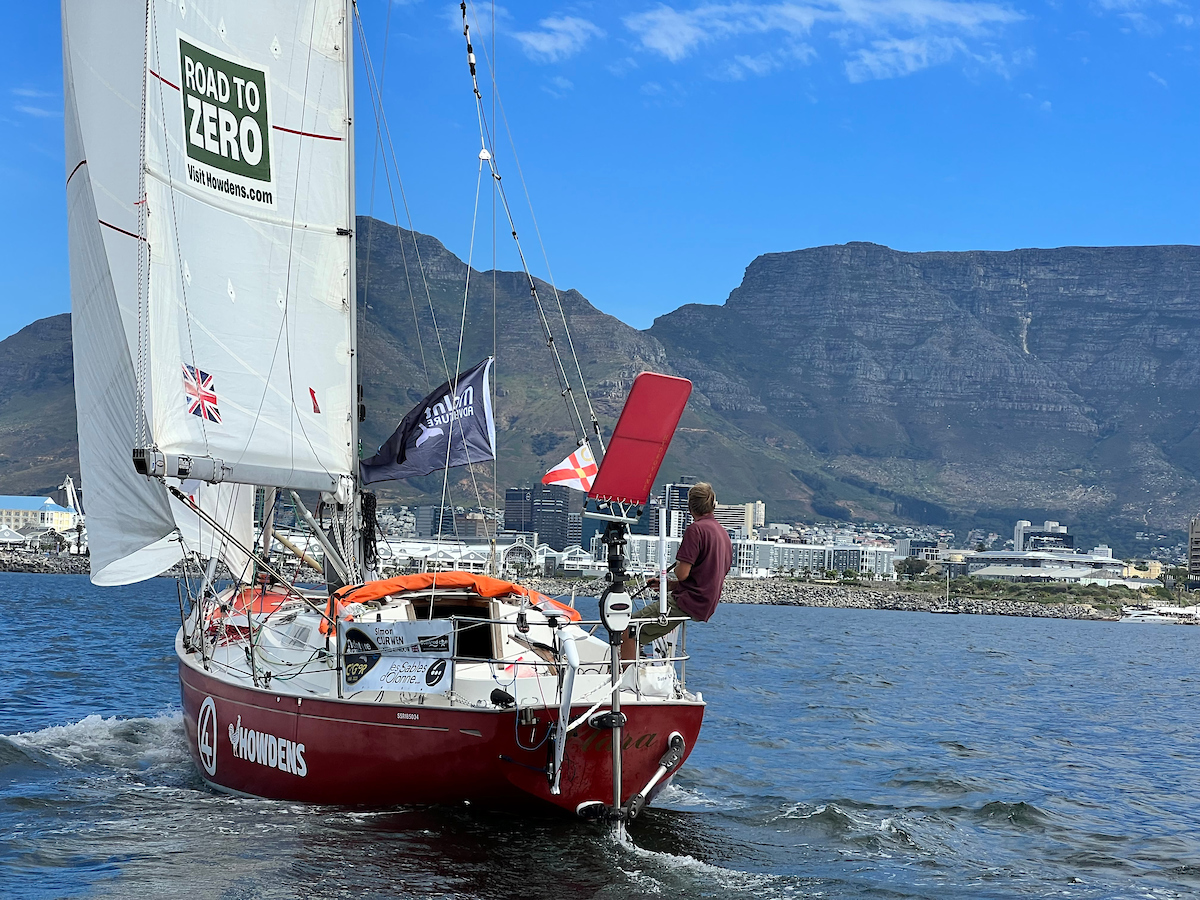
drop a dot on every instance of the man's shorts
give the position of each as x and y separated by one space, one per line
652 631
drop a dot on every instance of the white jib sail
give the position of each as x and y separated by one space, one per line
132 530
250 356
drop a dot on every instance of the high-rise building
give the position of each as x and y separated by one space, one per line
1051 536
741 519
518 510
1194 550
673 505
551 506
434 520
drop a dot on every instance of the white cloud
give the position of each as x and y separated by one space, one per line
558 87
743 65
37 112
895 58
898 37
32 94
559 38
1156 77
622 66
1144 16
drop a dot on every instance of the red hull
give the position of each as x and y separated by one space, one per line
345 753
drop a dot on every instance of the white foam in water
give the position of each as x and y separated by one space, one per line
727 879
143 744
675 795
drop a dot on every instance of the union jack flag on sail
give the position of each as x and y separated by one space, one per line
576 471
201 396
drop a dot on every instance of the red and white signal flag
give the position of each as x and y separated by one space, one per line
576 471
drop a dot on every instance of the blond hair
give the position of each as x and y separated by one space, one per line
702 499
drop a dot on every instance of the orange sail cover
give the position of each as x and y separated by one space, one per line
641 439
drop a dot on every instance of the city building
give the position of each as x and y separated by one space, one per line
472 525
35 512
509 555
917 548
1193 556
434 520
762 559
741 519
518 509
672 504
1045 565
1051 536
552 505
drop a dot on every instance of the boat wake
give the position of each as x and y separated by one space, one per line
148 746
681 875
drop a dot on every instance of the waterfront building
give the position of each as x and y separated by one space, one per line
1045 565
35 512
763 559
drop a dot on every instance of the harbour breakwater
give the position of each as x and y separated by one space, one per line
785 592
40 564
762 591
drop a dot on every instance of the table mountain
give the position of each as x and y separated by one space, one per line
989 384
844 381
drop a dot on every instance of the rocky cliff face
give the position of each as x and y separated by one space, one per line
1042 380
839 381
402 361
37 408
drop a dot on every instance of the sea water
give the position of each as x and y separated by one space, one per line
845 753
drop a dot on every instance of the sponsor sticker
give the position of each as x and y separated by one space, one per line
206 735
226 124
415 657
267 749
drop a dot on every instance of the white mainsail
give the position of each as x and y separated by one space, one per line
250 358
135 530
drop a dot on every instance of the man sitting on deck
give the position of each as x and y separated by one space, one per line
701 564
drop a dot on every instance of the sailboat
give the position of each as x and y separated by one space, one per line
210 165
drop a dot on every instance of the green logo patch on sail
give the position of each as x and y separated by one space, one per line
225 113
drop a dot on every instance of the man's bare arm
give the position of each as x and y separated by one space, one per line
682 570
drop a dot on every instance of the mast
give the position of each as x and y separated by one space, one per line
356 408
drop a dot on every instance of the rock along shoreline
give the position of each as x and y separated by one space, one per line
785 592
763 592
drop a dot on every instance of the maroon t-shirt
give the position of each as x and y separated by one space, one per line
707 547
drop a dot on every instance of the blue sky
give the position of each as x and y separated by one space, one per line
665 145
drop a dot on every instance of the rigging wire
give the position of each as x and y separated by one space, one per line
375 153
485 138
376 96
495 343
462 333
490 62
384 133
